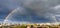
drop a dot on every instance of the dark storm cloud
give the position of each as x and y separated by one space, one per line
46 9
7 5
43 8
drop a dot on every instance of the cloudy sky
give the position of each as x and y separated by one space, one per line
39 10
6 6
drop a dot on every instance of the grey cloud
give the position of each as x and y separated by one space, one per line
39 7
